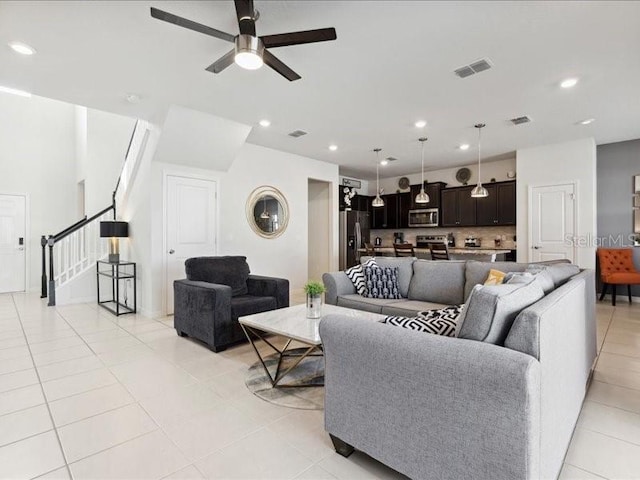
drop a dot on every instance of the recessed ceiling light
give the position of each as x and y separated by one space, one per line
464 146
333 148
265 123
420 124
569 82
13 91
587 121
384 162
22 48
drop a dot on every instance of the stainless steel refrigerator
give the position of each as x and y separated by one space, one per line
354 233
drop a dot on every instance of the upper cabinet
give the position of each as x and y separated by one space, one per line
499 208
458 207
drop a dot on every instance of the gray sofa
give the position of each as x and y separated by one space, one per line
453 408
216 292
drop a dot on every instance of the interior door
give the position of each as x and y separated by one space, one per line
552 222
12 243
190 226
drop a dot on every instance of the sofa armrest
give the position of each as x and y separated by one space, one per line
199 307
270 287
336 283
431 406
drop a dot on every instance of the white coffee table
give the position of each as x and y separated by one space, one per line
293 324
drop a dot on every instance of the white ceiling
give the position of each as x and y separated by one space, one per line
392 64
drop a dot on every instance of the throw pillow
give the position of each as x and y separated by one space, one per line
543 276
382 282
491 310
356 275
495 277
438 322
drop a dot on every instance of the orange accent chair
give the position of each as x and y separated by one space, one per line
617 268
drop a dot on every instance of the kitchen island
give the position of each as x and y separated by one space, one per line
455 253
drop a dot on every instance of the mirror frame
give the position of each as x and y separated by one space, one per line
255 197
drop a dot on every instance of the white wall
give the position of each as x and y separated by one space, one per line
37 158
497 170
554 164
106 145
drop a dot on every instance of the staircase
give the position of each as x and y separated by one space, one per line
74 251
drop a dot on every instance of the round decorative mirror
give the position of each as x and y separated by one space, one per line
267 212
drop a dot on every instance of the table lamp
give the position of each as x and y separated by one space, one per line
114 230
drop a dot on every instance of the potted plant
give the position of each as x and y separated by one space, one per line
314 291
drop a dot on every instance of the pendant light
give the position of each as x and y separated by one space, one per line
422 197
479 191
377 202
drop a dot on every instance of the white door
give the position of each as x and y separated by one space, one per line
552 223
12 243
190 226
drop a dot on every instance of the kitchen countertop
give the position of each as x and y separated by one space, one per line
453 250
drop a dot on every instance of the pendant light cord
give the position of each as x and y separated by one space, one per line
422 177
479 155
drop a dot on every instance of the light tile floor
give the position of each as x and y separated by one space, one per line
84 394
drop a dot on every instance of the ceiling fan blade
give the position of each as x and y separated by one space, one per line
222 63
183 22
246 13
297 38
273 61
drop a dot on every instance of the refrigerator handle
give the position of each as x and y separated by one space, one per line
358 236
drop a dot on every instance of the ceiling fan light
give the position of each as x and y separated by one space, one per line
479 191
422 197
377 202
249 52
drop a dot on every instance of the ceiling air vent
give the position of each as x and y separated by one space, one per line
391 159
475 67
521 120
297 133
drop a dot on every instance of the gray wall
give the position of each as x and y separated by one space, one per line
617 165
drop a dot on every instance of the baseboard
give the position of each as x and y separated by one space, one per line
150 313
619 297
75 301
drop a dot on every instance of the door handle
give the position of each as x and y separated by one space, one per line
172 251
536 247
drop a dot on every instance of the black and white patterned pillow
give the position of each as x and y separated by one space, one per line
356 275
438 322
382 282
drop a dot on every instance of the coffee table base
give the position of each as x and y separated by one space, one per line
253 334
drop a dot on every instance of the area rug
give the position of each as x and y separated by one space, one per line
310 370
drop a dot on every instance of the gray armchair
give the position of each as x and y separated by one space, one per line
216 292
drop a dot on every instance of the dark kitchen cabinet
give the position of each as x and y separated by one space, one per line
499 208
405 201
378 216
458 207
431 189
394 213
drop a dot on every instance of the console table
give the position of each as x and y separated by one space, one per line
117 273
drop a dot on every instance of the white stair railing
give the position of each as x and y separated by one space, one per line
79 251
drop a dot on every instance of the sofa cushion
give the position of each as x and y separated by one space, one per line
248 304
477 272
490 310
405 270
382 282
562 272
355 301
438 281
232 271
539 273
409 308
357 276
438 322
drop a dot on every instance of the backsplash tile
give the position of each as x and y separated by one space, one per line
486 235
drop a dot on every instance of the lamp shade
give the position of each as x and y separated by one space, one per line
114 229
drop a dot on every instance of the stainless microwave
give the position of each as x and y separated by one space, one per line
427 217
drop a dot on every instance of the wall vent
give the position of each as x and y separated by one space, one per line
521 120
473 68
297 133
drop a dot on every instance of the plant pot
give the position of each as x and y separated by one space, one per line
314 306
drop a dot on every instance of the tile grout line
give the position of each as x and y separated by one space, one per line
55 430
588 471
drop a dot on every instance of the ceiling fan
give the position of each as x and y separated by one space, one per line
250 51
